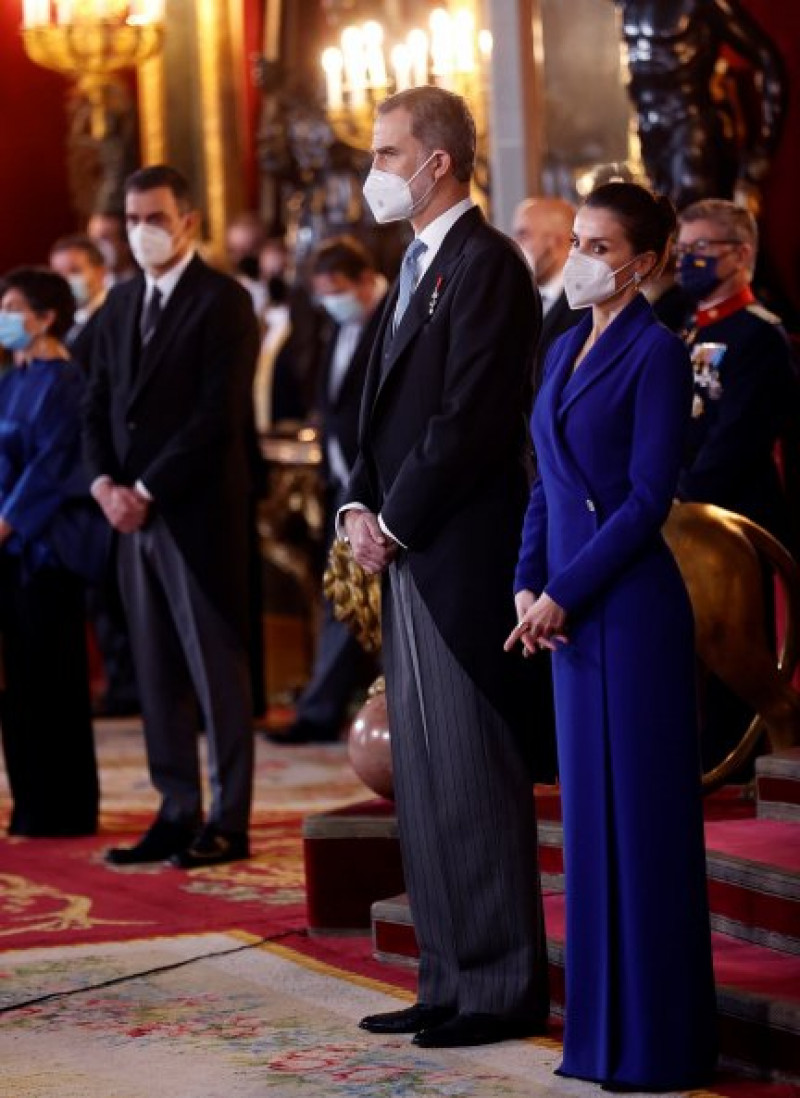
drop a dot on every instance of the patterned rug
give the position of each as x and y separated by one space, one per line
147 982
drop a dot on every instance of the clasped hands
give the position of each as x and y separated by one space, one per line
540 624
125 509
372 549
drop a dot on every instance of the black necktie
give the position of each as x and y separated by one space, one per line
151 316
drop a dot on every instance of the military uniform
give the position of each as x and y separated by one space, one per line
745 396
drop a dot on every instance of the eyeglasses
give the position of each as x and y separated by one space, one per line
702 247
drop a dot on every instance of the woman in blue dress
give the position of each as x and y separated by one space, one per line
45 524
597 585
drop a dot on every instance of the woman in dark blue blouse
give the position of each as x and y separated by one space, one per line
44 703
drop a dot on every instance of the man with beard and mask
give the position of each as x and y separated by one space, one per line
167 426
745 401
435 505
543 230
352 292
80 261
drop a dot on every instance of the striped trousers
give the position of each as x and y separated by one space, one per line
466 821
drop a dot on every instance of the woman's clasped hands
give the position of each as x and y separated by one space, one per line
540 624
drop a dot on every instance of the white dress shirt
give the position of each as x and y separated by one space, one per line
551 291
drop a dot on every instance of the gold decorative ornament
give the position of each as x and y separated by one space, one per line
355 596
91 41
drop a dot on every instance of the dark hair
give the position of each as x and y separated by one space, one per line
161 175
439 120
342 255
648 219
44 290
80 243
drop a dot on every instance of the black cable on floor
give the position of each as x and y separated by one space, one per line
53 995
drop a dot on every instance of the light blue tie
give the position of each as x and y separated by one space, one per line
408 278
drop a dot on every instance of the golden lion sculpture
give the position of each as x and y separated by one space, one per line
719 554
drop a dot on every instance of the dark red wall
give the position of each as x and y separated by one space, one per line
34 197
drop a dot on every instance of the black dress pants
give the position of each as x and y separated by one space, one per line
45 709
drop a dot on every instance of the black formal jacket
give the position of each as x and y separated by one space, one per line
176 416
729 458
340 414
442 442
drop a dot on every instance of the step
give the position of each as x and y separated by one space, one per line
758 989
753 868
754 881
778 785
352 858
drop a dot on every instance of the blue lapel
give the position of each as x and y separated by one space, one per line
615 341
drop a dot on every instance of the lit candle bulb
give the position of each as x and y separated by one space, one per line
442 44
373 48
463 40
401 67
417 45
333 64
354 65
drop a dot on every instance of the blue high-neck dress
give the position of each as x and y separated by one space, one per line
640 1007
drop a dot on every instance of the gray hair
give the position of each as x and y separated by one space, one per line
439 120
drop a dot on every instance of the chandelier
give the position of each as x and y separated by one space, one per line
91 41
368 65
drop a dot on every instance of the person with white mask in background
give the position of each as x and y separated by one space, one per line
167 427
352 293
78 259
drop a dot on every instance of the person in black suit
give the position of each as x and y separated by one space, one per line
80 261
167 423
352 292
543 230
435 504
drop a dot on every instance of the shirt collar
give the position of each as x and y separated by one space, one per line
551 290
167 282
433 235
722 309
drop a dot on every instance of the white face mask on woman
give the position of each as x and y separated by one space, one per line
389 196
590 281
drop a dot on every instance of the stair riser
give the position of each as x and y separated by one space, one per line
752 1043
761 917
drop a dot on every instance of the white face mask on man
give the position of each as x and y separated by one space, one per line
152 246
389 196
590 281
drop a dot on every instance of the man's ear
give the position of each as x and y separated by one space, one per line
443 164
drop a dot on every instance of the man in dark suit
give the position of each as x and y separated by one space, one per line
543 230
80 261
435 502
352 293
167 416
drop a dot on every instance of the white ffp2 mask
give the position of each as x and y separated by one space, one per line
590 281
389 196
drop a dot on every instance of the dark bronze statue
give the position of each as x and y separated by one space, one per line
697 142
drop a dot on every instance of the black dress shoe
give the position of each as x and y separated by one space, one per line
159 843
302 732
410 1020
212 847
477 1029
